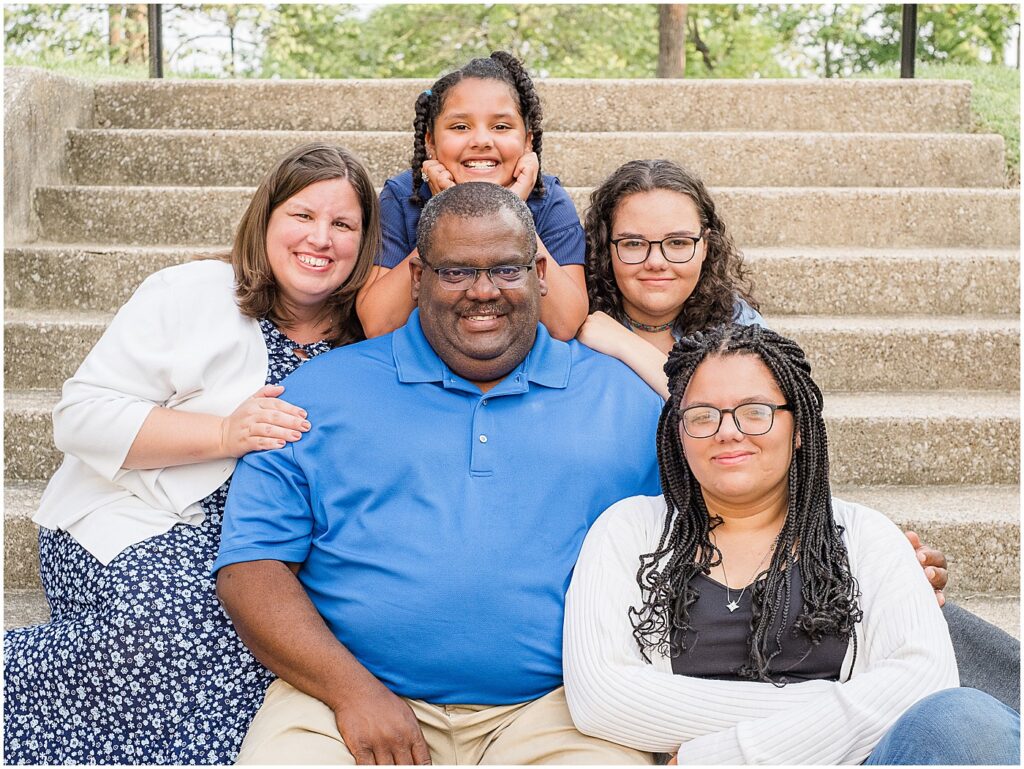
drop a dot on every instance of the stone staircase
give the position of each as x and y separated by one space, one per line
879 230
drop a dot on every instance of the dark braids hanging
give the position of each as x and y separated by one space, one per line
501 66
809 535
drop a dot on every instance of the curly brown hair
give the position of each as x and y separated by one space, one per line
723 277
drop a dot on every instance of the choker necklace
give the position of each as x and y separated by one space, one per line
732 605
645 327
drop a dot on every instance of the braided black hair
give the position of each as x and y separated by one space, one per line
501 66
723 276
809 535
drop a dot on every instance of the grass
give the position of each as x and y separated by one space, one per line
83 70
995 101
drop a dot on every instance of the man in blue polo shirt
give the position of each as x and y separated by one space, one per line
403 567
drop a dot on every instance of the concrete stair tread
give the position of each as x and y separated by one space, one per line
939 504
872 323
877 324
773 216
916 405
847 192
68 317
341 135
569 104
791 158
752 254
850 253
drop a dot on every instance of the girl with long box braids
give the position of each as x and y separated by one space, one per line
746 616
482 122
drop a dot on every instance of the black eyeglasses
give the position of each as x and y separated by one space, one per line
678 249
463 278
750 419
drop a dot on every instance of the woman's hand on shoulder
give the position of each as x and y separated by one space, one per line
601 332
262 422
524 177
438 177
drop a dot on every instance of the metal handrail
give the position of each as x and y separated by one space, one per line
154 15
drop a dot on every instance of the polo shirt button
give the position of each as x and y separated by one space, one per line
483 439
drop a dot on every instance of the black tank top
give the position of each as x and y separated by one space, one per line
717 640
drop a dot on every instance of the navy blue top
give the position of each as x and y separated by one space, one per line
438 526
554 215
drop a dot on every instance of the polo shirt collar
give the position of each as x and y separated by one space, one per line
548 363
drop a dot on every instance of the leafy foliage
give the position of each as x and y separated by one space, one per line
425 40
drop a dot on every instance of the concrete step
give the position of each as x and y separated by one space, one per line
569 105
794 280
42 348
875 438
914 438
885 281
57 276
789 159
977 527
865 217
909 353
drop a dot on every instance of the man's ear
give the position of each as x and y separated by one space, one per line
542 268
416 273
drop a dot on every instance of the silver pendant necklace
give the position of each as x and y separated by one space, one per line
733 605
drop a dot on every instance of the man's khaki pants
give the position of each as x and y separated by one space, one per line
294 728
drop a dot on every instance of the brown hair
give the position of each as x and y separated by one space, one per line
256 289
723 277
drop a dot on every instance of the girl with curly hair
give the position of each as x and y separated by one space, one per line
660 264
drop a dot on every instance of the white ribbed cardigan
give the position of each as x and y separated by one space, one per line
903 654
179 342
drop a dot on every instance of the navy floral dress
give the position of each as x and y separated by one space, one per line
139 664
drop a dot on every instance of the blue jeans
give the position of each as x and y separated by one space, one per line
954 726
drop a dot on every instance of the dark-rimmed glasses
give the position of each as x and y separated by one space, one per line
463 278
749 418
678 249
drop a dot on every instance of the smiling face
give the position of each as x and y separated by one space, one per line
312 243
654 292
733 469
481 333
479 135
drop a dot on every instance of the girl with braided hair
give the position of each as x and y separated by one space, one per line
746 616
480 123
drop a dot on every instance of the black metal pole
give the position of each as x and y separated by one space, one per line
909 42
154 13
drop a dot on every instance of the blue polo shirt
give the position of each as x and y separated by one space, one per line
554 216
438 526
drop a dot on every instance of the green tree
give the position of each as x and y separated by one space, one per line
425 40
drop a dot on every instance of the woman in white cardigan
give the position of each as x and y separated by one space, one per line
746 616
139 664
